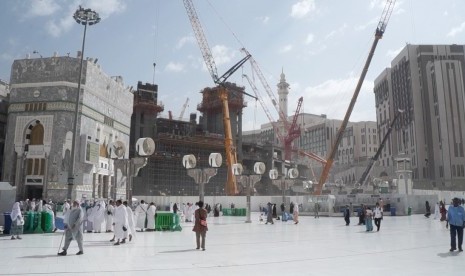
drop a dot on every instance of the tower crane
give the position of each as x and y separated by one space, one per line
230 150
381 27
183 109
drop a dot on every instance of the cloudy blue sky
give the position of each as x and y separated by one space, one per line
321 44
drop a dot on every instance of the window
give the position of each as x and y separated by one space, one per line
37 135
35 166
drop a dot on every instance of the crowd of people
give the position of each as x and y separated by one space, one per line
116 216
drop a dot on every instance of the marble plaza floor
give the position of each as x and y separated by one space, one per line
410 245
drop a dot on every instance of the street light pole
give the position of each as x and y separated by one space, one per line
84 17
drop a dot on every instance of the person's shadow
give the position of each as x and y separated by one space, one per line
39 256
448 254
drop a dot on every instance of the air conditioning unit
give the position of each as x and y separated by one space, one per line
293 173
274 174
237 169
189 161
145 146
215 160
259 168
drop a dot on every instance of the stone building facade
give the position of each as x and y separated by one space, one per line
38 145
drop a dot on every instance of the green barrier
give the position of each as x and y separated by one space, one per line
29 219
46 222
59 208
167 221
38 223
238 212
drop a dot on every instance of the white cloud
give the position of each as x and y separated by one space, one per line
372 22
41 8
309 39
174 67
377 3
340 30
333 96
184 40
456 30
393 53
105 8
264 19
286 48
302 8
222 54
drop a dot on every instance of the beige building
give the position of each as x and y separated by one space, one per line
427 81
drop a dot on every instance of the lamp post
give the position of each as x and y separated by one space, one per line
201 176
249 179
84 17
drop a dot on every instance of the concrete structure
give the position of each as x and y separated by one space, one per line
4 102
427 81
40 123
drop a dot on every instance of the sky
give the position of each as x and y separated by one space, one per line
320 45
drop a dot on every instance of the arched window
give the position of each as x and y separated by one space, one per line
37 135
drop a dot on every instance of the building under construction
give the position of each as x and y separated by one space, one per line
164 173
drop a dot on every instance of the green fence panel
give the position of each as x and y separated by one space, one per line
46 222
167 221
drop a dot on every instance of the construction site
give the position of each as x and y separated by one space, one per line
280 145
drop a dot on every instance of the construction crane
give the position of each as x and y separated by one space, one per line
183 109
265 108
261 77
387 11
293 132
375 157
230 150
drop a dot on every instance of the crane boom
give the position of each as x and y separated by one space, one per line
375 157
261 77
293 132
387 11
183 109
201 39
264 107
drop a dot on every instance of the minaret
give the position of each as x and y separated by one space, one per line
283 91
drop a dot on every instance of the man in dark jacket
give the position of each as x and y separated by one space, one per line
347 215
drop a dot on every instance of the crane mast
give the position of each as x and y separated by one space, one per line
230 149
381 27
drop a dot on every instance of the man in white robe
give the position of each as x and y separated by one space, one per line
141 215
89 218
120 222
110 211
132 227
98 216
151 217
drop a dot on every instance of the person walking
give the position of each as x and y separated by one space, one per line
296 214
378 214
369 219
347 215
73 229
17 222
317 209
131 225
110 209
427 209
362 215
456 219
200 225
120 222
269 214
436 211
141 215
151 212
442 210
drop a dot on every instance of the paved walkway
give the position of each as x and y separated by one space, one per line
405 246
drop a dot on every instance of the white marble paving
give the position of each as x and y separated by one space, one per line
405 246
